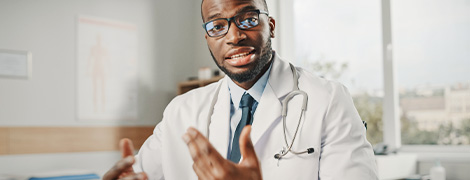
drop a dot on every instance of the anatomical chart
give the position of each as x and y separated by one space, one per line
107 86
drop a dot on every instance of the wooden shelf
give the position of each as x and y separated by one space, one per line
186 86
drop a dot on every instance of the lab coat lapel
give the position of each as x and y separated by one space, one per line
280 83
219 127
269 109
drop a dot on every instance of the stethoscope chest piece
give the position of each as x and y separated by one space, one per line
296 91
279 155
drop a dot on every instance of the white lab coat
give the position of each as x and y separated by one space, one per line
331 125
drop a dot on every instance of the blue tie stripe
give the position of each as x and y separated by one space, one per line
246 104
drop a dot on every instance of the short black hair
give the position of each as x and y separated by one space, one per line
264 4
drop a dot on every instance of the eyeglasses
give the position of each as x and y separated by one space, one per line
243 20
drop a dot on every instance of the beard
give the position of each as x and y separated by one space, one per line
251 74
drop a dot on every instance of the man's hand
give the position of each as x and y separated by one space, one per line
123 168
209 164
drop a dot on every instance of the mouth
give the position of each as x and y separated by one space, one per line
240 56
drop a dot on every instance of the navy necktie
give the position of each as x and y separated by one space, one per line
246 105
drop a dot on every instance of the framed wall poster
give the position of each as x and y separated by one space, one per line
107 84
15 64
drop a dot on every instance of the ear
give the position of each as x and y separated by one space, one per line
272 26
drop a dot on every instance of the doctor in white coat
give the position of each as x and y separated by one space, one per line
239 36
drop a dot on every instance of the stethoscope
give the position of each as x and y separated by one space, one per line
295 91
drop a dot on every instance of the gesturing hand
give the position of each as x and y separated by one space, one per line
209 164
123 168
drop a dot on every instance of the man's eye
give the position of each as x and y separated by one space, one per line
249 21
217 27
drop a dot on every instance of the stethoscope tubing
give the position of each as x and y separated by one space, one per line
296 91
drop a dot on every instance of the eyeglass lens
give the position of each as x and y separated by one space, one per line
219 27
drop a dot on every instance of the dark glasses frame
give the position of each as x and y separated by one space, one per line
232 19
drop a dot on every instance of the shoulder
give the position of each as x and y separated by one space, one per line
194 98
319 85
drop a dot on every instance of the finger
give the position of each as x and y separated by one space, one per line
200 147
127 148
119 168
138 176
204 155
201 166
201 172
210 164
247 149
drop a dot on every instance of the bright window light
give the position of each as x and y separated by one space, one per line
341 40
431 40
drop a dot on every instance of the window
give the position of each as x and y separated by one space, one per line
431 43
341 40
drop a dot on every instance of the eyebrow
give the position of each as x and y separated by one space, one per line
214 16
246 8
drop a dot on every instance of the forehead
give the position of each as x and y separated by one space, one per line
226 8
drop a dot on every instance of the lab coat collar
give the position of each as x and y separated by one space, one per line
279 84
281 77
256 91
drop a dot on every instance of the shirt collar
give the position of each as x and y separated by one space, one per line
236 92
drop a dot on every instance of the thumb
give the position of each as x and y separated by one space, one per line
126 147
247 149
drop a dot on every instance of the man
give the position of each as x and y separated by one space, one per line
329 131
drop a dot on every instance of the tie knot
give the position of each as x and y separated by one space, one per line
247 101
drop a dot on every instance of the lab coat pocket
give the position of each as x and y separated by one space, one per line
293 166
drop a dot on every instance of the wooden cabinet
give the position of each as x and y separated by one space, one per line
186 86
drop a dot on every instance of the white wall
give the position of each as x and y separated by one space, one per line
171 45
171 48
168 52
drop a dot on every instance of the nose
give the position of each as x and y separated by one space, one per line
234 35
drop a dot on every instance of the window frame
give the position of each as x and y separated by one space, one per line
391 116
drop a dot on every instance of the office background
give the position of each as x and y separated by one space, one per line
171 47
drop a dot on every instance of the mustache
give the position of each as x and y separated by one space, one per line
251 74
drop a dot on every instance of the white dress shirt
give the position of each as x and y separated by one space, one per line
236 93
